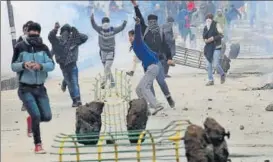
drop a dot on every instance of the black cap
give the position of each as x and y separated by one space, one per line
152 17
105 20
34 27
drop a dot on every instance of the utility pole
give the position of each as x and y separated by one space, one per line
11 23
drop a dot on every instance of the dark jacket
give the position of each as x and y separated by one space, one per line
142 51
210 47
32 50
159 46
66 54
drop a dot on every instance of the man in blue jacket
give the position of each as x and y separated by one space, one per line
150 64
32 61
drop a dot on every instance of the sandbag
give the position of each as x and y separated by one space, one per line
136 119
88 122
216 134
197 145
234 51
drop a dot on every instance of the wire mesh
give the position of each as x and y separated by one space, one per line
159 144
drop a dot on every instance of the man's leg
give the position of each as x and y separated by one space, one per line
29 122
67 79
33 110
44 106
210 74
75 86
143 88
160 78
108 72
217 65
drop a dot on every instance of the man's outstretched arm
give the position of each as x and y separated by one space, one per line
120 28
138 35
139 15
94 24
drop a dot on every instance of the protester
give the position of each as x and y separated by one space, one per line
172 8
160 13
20 39
150 64
221 20
211 7
154 38
32 61
66 49
170 36
183 20
107 46
212 36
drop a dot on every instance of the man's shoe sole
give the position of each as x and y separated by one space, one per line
157 110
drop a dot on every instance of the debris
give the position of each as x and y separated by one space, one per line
185 109
242 127
269 108
209 108
88 121
209 99
136 118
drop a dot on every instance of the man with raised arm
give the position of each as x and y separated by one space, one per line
154 38
107 46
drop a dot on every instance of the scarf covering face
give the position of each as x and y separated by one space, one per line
34 40
153 26
208 23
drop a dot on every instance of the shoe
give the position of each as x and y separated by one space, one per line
76 103
102 86
39 149
223 79
29 126
149 112
63 87
171 102
210 83
23 108
157 109
168 76
130 73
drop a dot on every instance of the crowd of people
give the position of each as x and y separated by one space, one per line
153 41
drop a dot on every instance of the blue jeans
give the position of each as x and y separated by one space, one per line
160 78
215 65
71 80
36 102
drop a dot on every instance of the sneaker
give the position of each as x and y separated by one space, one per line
210 83
23 108
130 73
157 109
149 112
171 102
167 76
39 149
223 79
29 127
102 86
76 103
63 87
